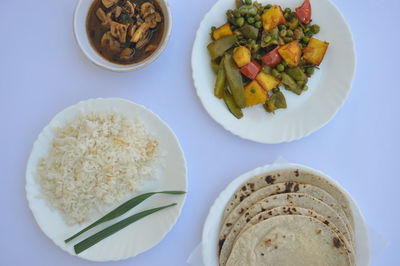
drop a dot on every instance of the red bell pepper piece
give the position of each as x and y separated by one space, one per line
272 58
303 12
251 69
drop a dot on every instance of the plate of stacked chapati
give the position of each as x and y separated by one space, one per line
285 214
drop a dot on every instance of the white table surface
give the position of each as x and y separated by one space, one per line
42 71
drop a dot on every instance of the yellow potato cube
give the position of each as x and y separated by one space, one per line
315 51
254 94
222 31
272 18
268 82
242 56
291 53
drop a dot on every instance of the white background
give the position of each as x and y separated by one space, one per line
42 71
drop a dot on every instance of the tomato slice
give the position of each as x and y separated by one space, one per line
272 58
303 12
251 69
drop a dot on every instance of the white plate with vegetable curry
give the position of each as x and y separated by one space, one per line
274 105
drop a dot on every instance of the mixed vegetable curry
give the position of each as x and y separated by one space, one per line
125 31
259 49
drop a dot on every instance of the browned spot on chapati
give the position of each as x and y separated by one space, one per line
296 172
296 188
289 186
269 179
336 242
267 243
326 222
244 188
228 224
319 231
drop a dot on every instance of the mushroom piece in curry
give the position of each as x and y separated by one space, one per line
125 31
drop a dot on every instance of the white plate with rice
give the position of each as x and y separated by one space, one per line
81 167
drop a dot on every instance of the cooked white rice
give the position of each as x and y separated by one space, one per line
93 162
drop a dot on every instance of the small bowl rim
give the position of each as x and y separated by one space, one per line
103 63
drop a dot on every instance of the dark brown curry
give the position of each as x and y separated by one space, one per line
125 31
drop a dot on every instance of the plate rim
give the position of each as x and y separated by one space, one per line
76 105
216 209
306 132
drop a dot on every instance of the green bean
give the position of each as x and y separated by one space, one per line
217 48
315 28
248 10
275 101
296 73
249 31
231 104
239 22
214 66
220 81
235 81
309 33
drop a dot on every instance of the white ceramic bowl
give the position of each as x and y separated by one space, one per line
81 37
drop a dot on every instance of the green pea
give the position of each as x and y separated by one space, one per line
283 33
315 28
287 39
257 17
275 73
239 22
268 6
213 28
310 70
288 10
253 90
258 24
306 39
248 2
250 20
283 62
309 33
282 27
280 67
267 39
236 13
289 33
